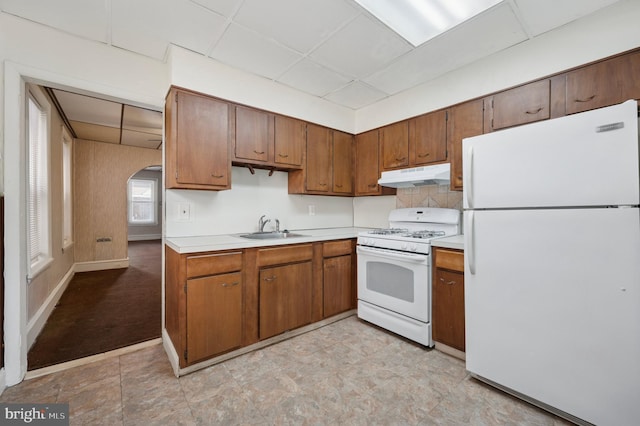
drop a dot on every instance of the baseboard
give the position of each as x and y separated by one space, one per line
174 360
145 237
37 322
101 265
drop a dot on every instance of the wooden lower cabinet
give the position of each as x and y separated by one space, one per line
339 285
285 298
448 298
214 315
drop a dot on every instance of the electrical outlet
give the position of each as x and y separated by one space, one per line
184 212
312 210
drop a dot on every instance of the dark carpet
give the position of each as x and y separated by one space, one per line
104 310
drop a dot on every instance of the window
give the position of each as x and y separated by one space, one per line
67 207
38 241
142 202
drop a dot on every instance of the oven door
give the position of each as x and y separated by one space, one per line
397 281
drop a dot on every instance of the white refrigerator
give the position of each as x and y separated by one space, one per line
552 263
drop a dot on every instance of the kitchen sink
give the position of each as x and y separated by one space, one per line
271 235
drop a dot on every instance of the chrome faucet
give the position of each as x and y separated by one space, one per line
262 222
277 225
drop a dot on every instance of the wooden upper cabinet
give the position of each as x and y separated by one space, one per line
428 138
197 151
366 163
253 135
290 141
342 163
465 120
319 159
521 105
394 146
604 83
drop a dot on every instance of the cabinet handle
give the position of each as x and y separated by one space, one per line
586 100
233 284
283 155
323 184
533 112
217 176
423 155
258 152
338 185
448 282
401 159
271 278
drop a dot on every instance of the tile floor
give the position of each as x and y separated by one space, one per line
347 373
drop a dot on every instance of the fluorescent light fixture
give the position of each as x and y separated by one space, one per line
420 20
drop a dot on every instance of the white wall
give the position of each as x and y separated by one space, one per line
251 196
613 30
208 76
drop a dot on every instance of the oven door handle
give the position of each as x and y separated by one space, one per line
386 254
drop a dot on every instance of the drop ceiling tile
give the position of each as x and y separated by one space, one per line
94 132
142 120
223 7
543 15
85 18
141 139
310 77
490 32
360 48
89 110
298 24
148 26
244 49
356 95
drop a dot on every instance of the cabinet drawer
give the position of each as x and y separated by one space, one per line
282 255
450 259
211 264
336 248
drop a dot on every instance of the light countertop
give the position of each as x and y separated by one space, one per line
453 242
234 241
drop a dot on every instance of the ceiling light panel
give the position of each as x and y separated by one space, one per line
420 20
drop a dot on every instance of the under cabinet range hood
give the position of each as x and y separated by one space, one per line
417 176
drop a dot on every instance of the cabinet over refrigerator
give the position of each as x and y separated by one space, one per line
552 263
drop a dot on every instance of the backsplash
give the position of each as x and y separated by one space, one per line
429 196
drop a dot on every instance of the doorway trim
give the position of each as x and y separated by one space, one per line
14 166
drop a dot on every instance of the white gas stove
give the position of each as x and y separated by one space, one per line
412 229
394 270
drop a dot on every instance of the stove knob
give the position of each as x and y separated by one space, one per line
413 247
404 246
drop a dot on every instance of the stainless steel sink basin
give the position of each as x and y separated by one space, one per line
270 235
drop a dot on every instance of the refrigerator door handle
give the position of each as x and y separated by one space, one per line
468 177
471 255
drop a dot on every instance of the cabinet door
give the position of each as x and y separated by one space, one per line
202 139
319 156
253 135
428 138
214 315
448 308
465 120
394 145
367 172
285 298
342 163
290 140
604 83
337 285
521 105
